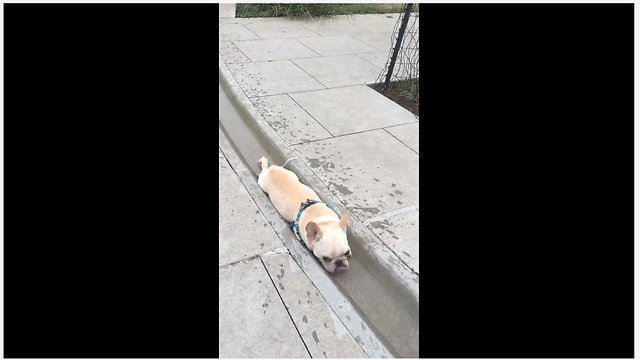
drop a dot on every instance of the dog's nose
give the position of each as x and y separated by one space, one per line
339 263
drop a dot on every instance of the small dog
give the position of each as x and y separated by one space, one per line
324 233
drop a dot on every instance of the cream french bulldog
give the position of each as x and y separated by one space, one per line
321 229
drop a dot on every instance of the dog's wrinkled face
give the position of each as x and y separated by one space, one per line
332 249
330 244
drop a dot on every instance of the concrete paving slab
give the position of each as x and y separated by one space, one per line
336 45
326 27
246 21
383 23
400 233
382 41
321 330
371 172
242 229
274 49
335 71
289 120
280 29
253 322
233 20
378 59
407 133
230 53
230 31
227 10
272 78
352 109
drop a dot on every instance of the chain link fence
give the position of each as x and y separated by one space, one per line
401 72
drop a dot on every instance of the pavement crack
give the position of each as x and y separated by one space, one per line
274 251
305 110
403 143
249 258
306 72
287 309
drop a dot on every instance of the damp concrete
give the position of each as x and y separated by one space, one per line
376 299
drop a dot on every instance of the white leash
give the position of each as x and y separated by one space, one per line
285 163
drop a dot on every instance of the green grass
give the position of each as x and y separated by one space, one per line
311 11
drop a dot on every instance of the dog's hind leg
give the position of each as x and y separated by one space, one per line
263 163
263 173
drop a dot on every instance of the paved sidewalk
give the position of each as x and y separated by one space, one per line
227 10
308 80
261 310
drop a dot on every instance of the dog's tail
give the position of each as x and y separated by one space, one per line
285 163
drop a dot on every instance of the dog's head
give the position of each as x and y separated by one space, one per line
329 243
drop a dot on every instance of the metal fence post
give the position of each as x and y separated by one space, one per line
396 50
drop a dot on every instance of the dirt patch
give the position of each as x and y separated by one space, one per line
405 93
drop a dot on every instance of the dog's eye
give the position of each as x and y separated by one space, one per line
326 258
348 253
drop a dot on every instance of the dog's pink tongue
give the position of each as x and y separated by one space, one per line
341 268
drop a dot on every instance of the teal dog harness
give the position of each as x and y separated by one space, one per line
295 224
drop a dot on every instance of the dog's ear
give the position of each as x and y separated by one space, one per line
343 221
313 232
